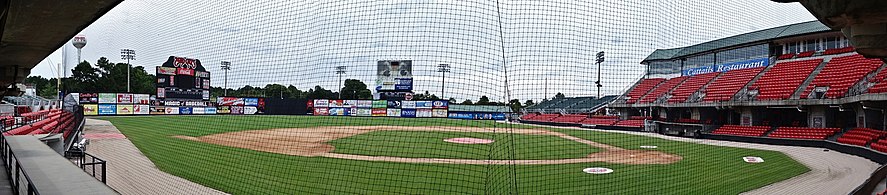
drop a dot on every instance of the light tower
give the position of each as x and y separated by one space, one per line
443 69
340 70
128 54
226 66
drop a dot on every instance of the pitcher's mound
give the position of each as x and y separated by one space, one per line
468 140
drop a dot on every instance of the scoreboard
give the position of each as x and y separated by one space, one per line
182 78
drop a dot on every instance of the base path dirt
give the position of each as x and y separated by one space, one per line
314 142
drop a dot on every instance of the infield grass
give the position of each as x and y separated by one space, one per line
704 169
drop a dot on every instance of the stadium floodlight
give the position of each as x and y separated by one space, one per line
600 58
128 54
443 69
340 70
226 66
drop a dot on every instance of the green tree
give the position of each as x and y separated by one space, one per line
453 101
295 92
320 93
484 100
467 102
559 95
515 105
529 103
277 90
355 89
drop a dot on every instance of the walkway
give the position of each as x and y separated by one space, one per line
129 171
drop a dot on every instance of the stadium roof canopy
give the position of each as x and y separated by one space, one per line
751 38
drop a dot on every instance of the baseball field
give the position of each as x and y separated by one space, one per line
349 155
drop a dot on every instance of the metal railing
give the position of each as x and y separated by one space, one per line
18 178
88 163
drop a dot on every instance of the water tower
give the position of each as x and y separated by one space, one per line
79 42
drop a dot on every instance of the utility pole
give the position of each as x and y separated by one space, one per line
128 54
600 58
226 66
340 70
443 69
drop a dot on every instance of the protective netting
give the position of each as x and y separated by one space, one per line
437 97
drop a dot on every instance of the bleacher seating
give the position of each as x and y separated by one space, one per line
529 116
861 136
592 103
630 123
741 130
880 145
786 56
641 89
880 81
724 87
544 117
784 78
841 73
571 104
569 118
805 54
51 121
682 92
838 50
600 120
662 89
803 132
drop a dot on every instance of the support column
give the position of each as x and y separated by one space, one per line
816 117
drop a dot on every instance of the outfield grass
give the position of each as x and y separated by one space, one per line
423 144
705 169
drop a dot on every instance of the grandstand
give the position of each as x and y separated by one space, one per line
571 105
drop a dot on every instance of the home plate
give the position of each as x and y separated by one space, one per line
597 170
468 140
753 159
649 147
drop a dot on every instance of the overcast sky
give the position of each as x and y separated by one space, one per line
301 42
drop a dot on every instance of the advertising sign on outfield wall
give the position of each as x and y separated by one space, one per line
424 104
124 98
141 109
90 109
408 113
250 110
336 103
236 109
141 99
107 98
86 98
198 110
124 109
394 104
408 104
350 104
321 111
172 110
393 112
339 111
185 110
364 103
223 110
364 112
440 104
380 104
107 109
157 110
423 113
321 103
210 110
380 111
439 113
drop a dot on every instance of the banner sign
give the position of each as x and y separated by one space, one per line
123 109
380 112
321 103
380 104
409 104
336 103
394 104
321 111
424 113
210 110
440 104
236 109
408 113
157 110
364 112
141 99
89 98
198 110
250 101
439 113
166 70
393 112
391 95
350 104
141 109
172 110
762 62
424 104
250 110
107 98
124 98
364 103
477 115
403 84
339 111
107 109
223 110
90 109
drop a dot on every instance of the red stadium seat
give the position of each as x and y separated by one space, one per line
784 78
663 88
841 73
741 130
641 89
724 87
